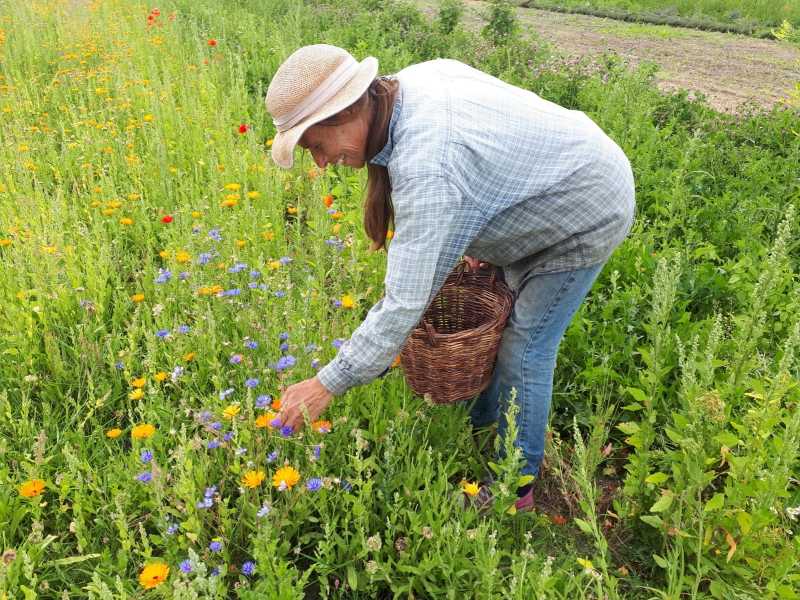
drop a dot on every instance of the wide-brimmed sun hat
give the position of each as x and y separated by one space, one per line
314 83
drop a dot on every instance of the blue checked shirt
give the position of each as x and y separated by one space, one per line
482 168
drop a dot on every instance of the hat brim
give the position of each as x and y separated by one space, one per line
284 142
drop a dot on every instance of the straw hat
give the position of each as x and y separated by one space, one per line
314 83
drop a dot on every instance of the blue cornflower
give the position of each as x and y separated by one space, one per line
263 287
232 292
162 333
144 477
184 274
264 511
215 546
195 230
285 362
207 502
255 274
273 456
311 347
284 336
215 426
314 484
228 436
252 285
315 363
146 456
215 572
330 242
210 491
340 246
279 294
286 431
240 451
337 303
204 258
183 329
248 568
263 400
251 344
163 276
225 393
285 259
172 529
235 359
317 451
118 365
185 566
337 343
346 485
176 372
251 383
214 234
214 444
284 347
204 416
276 422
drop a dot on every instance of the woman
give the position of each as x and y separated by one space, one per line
462 164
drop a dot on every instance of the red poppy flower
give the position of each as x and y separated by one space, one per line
243 128
150 17
155 12
212 42
328 201
166 219
559 520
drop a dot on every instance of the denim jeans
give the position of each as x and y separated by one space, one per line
526 359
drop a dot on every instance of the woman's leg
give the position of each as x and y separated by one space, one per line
527 355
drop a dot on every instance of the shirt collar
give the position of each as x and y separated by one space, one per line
382 157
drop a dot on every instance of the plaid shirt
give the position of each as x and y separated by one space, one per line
482 168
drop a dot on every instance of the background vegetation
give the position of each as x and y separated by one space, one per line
158 269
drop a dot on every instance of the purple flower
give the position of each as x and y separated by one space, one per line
251 383
235 359
225 393
228 436
255 274
215 546
248 568
184 275
346 485
176 372
284 347
215 426
144 477
251 344
172 529
163 276
206 503
118 365
273 456
183 329
215 235
214 444
232 292
337 303
185 566
263 287
146 456
285 362
315 363
312 347
284 336
286 431
264 511
162 333
204 416
317 451
263 400
337 343
314 484
276 422
252 285
279 294
240 451
215 572
285 259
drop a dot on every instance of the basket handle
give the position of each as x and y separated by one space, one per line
431 333
461 268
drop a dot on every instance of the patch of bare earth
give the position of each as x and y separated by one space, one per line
729 69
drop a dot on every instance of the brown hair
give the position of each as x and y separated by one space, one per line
378 209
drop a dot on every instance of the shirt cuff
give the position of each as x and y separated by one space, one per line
334 379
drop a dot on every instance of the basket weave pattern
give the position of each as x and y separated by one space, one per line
451 355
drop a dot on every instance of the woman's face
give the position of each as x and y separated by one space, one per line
344 144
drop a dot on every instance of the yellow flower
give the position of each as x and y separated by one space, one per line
141 432
231 411
115 204
269 142
113 433
154 574
135 395
229 203
126 221
138 383
183 257
232 186
97 190
337 227
189 356
397 360
347 301
264 420
273 264
292 210
269 234
108 211
337 215
32 489
5 242
241 243
161 376
286 477
148 118
322 426
96 203
253 479
470 488
137 297
389 235
164 254
23 148
196 215
133 196
252 195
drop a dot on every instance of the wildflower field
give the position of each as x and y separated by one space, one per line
162 282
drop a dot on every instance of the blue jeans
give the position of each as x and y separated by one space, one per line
526 359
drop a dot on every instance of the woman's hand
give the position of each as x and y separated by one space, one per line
309 392
474 265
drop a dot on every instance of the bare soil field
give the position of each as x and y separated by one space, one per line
729 69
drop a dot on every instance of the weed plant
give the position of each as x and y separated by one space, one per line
162 282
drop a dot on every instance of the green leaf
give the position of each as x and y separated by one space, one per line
352 577
662 504
727 439
716 589
784 591
657 478
745 521
628 428
661 562
585 527
633 407
70 560
637 394
673 435
524 480
716 502
680 420
652 520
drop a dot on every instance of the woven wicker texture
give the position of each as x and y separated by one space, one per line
451 355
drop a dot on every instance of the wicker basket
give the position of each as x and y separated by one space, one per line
451 355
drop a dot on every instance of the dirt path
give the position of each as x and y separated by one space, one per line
728 68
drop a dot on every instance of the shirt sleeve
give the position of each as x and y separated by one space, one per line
425 247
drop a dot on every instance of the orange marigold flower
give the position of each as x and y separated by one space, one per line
389 234
113 433
196 215
285 478
160 376
292 210
229 203
153 575
141 432
231 411
31 489
183 257
347 301
470 488
164 254
136 394
264 420
5 242
253 479
276 405
189 356
137 297
126 221
252 195
322 426
138 383
396 361
337 215
241 243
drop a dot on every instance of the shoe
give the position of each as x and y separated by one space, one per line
484 500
